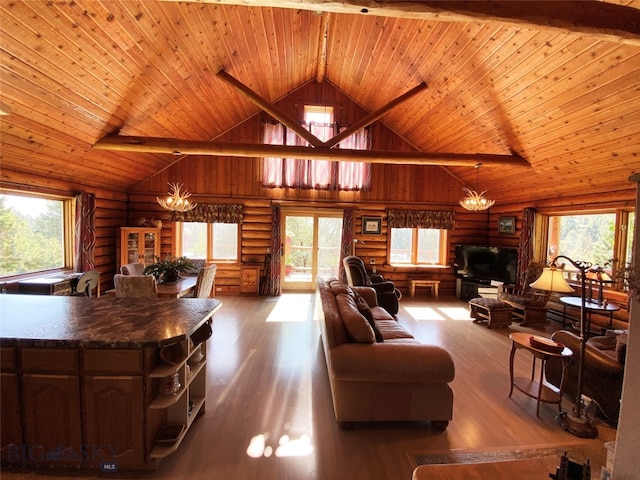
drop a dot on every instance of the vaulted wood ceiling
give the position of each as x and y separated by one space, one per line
557 83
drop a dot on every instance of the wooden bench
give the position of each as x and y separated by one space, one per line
495 313
432 284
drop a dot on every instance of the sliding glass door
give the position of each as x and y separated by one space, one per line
311 246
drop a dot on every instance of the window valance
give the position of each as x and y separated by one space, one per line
211 213
443 220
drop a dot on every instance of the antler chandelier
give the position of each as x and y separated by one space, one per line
475 201
177 201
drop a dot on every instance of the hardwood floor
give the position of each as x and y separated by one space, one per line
269 413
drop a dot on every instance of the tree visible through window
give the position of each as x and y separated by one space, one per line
32 237
415 246
588 238
210 241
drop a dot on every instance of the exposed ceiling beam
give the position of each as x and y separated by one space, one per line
322 48
174 146
599 19
270 109
373 116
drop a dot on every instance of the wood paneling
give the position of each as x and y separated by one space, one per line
562 92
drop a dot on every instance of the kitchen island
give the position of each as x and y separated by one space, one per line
96 382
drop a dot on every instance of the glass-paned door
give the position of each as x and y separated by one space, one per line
311 242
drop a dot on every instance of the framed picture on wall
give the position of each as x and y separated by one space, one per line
507 225
371 225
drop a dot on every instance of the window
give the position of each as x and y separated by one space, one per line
37 234
604 239
418 246
315 174
209 241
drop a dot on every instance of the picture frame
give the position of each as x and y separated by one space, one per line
507 225
371 225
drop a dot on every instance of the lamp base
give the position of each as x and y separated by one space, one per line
578 426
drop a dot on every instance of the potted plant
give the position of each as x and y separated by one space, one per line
168 270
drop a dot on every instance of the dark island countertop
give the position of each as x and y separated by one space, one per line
47 320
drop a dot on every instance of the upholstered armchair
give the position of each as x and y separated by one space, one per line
529 304
357 275
132 269
602 375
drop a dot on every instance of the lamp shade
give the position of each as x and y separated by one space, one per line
552 280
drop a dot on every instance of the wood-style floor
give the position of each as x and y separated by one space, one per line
269 414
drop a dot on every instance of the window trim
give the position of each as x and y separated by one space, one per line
620 235
177 241
68 232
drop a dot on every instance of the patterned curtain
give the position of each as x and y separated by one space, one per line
442 220
354 175
346 244
210 213
525 247
85 232
273 280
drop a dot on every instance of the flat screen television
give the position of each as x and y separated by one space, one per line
485 264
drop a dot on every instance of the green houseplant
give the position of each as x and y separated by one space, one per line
169 268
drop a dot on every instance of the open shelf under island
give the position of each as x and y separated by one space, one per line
84 383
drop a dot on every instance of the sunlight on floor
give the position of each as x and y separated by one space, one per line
291 307
287 447
421 314
456 313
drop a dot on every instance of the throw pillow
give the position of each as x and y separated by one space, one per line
354 322
363 308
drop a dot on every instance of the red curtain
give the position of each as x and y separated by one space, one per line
272 286
346 244
85 232
525 247
314 174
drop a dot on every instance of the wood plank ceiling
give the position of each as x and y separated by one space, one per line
560 89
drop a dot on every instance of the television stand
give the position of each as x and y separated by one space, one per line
468 288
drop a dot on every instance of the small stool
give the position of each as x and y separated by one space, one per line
432 284
496 313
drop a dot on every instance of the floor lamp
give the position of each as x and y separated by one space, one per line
553 280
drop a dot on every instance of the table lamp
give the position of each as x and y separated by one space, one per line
552 280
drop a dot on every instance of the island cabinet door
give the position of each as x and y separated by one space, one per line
53 433
114 420
10 426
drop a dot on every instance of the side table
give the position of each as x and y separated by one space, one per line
538 389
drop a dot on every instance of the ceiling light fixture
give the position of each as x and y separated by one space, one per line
177 201
475 201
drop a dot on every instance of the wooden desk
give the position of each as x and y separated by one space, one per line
57 285
180 288
538 389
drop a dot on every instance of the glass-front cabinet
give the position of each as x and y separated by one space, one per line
139 244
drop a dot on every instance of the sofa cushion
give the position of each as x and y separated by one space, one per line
392 330
363 308
338 287
356 324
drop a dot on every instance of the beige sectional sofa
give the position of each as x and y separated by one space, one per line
389 378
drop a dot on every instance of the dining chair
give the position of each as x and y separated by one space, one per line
135 286
132 269
86 283
205 282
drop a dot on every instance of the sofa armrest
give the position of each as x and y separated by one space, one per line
369 294
392 363
594 358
